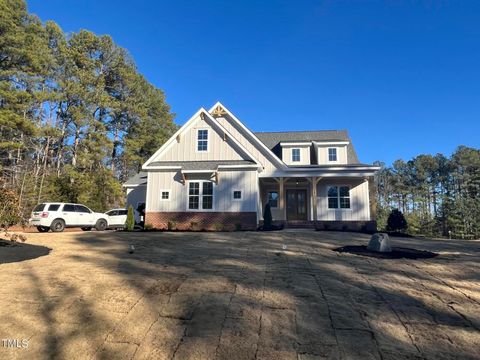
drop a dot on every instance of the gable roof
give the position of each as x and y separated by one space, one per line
273 139
215 124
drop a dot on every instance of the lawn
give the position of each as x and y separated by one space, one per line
239 295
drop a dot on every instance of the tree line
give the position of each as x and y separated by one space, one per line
438 195
76 116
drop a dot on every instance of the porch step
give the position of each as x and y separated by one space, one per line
300 224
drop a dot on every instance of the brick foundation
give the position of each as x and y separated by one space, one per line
192 220
363 226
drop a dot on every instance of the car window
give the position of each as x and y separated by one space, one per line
122 212
39 207
112 213
53 207
69 208
82 209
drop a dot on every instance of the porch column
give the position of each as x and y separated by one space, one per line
314 181
281 184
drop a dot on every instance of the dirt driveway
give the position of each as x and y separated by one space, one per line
244 295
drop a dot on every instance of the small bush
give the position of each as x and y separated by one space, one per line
218 227
172 225
396 221
130 223
238 227
147 227
193 225
267 217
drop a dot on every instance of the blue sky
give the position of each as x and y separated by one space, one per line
402 76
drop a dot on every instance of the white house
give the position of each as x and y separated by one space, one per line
214 173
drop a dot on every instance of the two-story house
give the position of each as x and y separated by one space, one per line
215 173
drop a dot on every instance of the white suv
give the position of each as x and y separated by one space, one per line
58 216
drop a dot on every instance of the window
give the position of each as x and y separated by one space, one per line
53 207
207 195
237 195
338 197
193 195
202 140
273 199
200 195
82 209
165 195
295 155
39 207
122 212
332 154
69 208
112 213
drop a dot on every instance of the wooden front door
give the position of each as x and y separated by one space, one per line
296 204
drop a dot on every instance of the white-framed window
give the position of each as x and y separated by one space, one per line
200 195
273 199
332 154
338 197
165 195
202 140
295 155
237 195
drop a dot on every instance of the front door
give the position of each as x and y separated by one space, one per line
296 204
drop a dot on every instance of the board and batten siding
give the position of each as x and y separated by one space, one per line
322 155
243 180
186 149
240 136
359 201
136 196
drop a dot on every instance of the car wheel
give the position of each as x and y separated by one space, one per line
43 228
58 225
86 228
101 225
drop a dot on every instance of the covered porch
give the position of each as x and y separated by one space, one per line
343 203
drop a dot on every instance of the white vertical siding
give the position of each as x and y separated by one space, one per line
359 202
136 195
186 149
245 181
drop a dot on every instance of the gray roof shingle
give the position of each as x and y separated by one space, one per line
137 179
272 140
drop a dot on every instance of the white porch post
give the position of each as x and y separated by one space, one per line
282 198
314 181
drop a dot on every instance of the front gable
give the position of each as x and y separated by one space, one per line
202 138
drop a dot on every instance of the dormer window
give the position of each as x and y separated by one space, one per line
295 155
332 154
202 140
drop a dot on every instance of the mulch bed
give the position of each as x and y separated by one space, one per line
397 253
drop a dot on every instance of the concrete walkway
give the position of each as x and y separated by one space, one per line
243 295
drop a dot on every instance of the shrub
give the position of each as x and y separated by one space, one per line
238 226
267 217
193 225
147 227
171 225
396 221
218 227
9 210
130 223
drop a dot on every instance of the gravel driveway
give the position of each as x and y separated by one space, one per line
241 295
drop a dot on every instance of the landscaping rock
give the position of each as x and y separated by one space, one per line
379 242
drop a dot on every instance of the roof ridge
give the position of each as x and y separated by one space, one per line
296 131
